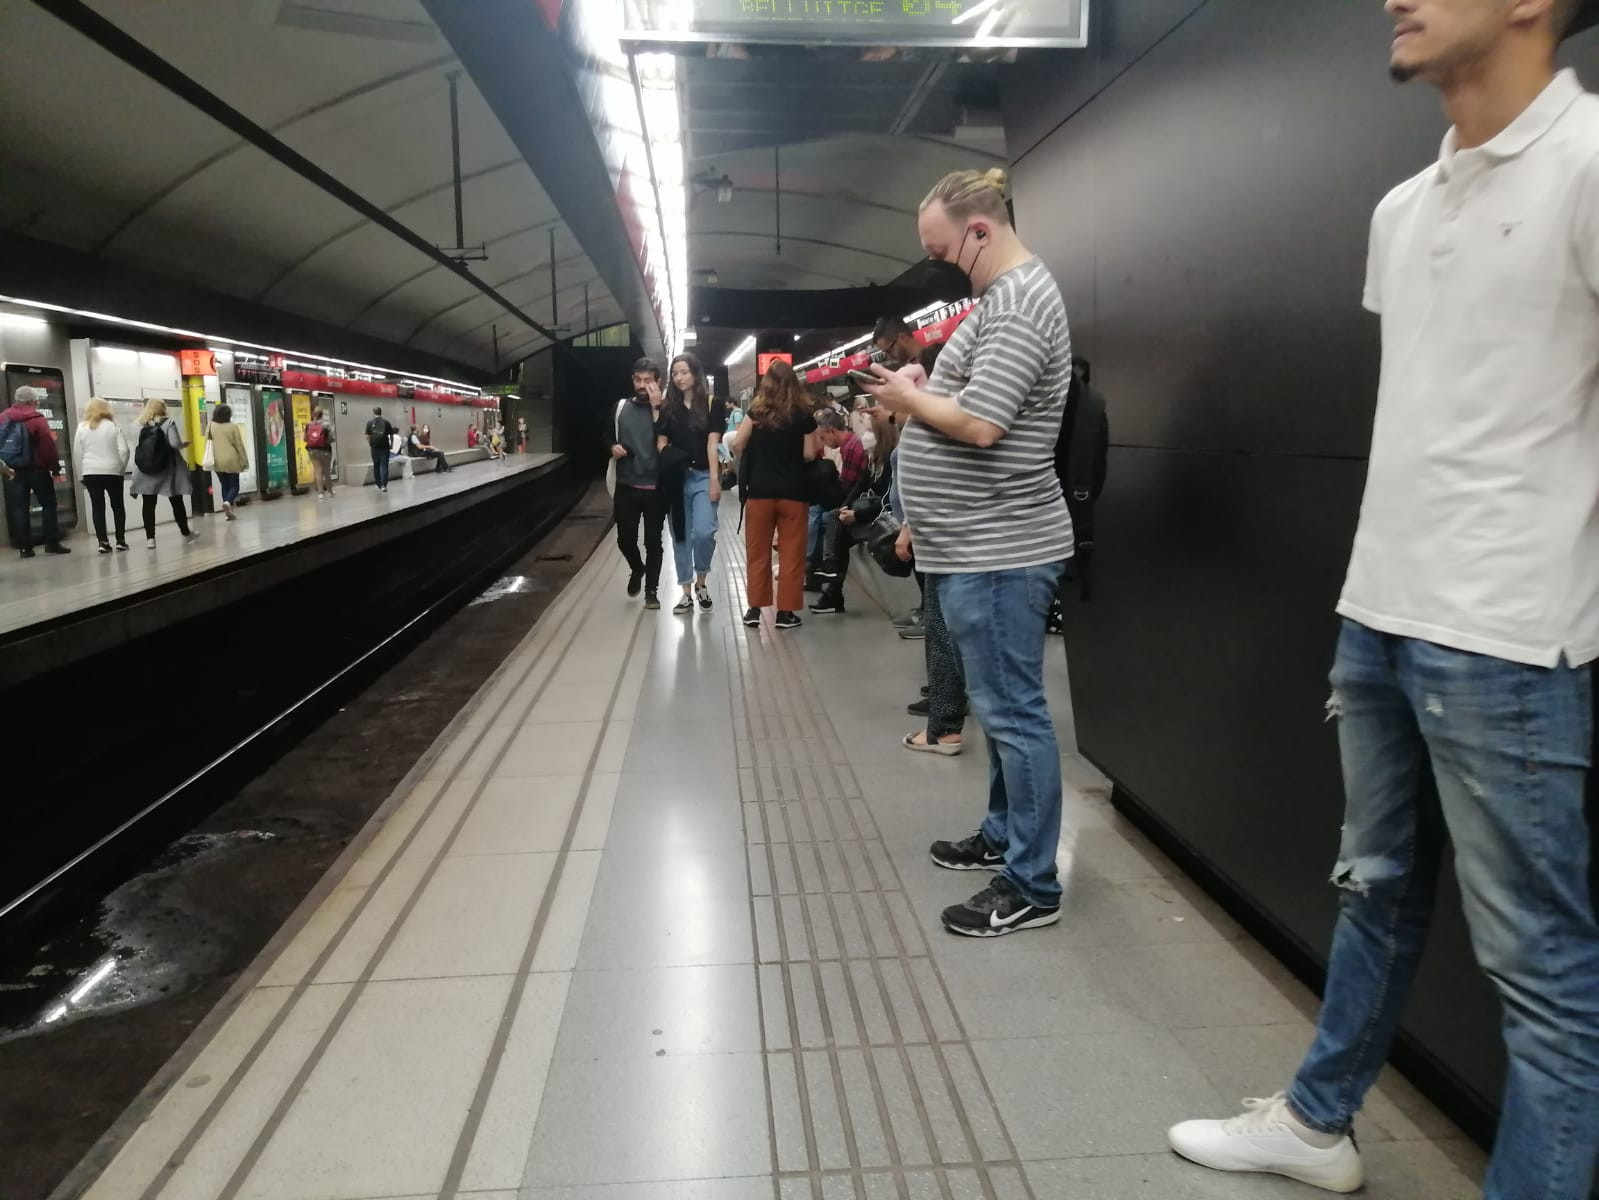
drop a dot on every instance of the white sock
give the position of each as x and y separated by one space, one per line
1311 1137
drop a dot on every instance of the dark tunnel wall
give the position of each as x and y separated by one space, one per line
1201 181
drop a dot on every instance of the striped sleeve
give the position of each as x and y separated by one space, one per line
1010 357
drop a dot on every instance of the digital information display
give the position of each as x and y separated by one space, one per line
969 24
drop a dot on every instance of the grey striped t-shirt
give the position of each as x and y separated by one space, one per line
998 509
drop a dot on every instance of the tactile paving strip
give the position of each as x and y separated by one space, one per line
874 1091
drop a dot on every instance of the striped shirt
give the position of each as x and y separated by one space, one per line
999 509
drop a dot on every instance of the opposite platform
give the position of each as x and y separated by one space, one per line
654 920
41 596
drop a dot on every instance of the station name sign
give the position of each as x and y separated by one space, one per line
1021 24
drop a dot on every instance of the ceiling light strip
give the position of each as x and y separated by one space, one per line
213 340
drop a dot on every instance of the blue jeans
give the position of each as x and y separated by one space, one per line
380 466
813 538
693 552
230 485
997 620
1498 753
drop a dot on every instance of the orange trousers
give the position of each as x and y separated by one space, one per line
788 518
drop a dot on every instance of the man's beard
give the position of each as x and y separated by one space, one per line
1402 74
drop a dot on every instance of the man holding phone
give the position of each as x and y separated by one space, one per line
636 445
991 530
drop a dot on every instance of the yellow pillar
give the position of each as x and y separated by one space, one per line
193 426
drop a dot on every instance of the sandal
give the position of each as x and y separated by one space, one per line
947 749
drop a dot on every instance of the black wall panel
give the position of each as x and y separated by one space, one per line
1205 208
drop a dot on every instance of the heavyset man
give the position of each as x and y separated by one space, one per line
991 531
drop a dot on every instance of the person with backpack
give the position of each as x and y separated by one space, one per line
636 445
159 469
29 451
101 455
378 435
319 448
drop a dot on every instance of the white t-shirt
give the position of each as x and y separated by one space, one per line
1480 524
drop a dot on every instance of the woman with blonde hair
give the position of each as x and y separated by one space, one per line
159 469
774 443
100 455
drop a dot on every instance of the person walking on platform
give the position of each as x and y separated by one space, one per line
774 443
977 475
379 434
230 459
636 444
1462 683
694 422
318 447
32 458
159 469
101 456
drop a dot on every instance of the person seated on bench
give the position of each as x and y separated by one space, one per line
417 449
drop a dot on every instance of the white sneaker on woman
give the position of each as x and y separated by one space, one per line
1266 1137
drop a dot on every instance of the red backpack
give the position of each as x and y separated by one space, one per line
316 436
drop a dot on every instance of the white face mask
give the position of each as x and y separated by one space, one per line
868 441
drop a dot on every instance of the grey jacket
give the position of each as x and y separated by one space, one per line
636 431
175 482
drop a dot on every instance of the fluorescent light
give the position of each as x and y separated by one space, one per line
112 319
796 337
744 347
977 9
688 335
220 352
93 981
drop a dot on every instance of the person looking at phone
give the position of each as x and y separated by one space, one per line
855 476
636 445
991 531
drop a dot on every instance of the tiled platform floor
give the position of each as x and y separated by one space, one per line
654 921
43 587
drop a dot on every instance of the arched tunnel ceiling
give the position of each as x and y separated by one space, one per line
101 159
857 145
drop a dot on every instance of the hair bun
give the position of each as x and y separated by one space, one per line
997 177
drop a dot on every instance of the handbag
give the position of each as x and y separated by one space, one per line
882 536
208 461
822 486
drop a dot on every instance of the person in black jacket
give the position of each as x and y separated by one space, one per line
864 497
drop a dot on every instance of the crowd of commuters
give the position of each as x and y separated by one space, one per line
155 465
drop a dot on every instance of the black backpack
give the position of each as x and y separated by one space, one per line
1081 455
153 455
377 433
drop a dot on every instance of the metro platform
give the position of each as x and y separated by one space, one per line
653 919
270 542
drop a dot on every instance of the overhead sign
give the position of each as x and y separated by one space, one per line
763 362
967 24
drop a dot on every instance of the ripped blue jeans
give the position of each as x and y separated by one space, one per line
1497 753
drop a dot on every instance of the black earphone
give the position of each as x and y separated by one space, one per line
982 235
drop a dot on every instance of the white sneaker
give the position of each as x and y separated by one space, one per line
1264 1138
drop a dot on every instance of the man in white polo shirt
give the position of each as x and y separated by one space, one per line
1471 613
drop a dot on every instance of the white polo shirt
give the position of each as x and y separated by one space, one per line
1480 525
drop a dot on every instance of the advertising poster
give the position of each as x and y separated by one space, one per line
300 407
276 457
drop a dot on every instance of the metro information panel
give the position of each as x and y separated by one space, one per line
933 23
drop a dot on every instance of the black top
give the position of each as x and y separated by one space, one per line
774 461
688 428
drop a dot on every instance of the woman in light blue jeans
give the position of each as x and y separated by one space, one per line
693 421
